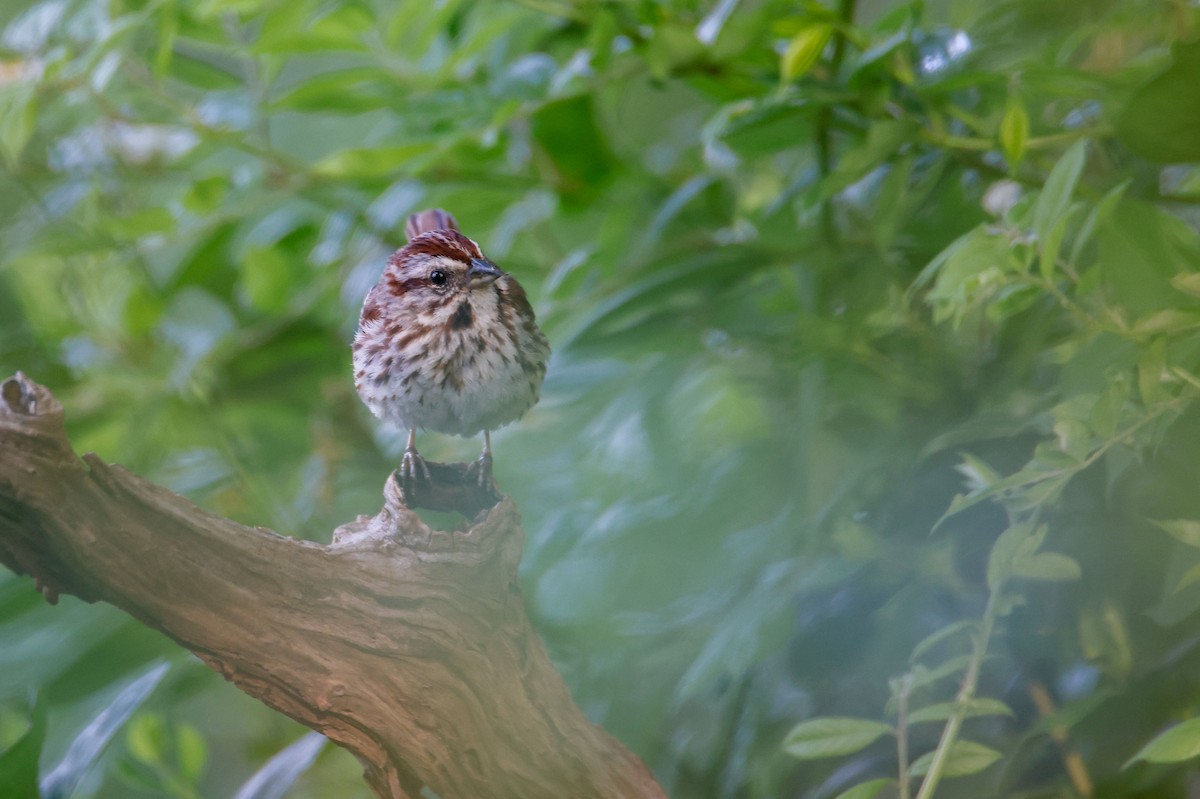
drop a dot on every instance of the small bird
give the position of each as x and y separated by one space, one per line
447 341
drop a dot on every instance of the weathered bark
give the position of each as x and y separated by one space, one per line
408 646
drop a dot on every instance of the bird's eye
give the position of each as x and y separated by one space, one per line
437 277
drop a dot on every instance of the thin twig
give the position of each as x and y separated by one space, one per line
961 702
902 734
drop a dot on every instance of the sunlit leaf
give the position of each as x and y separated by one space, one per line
191 752
363 162
146 739
1175 745
1014 132
804 49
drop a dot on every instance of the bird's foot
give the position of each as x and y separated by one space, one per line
481 471
412 466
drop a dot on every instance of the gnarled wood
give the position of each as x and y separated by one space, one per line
408 646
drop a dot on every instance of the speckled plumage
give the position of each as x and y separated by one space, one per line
463 357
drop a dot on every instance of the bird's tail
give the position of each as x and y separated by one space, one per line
427 220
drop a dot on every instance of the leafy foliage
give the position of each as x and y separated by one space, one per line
877 335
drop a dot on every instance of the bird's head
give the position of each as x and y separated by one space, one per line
440 264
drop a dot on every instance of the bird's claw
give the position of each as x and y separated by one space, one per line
481 471
411 464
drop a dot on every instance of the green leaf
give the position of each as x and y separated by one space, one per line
1169 321
1049 248
205 194
1162 117
866 790
1055 196
1188 283
932 640
1138 251
19 762
1014 132
980 476
1104 638
1152 373
1098 217
268 279
1189 577
191 752
965 758
146 739
884 138
922 676
1181 742
1015 545
1048 566
372 162
944 710
831 737
1105 415
1185 531
18 117
804 49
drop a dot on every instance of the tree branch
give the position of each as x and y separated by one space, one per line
406 645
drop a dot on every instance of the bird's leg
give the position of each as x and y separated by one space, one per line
481 469
412 461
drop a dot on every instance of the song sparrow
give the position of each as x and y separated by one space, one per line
447 342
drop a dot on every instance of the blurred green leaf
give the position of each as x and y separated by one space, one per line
1055 196
364 162
944 634
830 737
1015 548
866 790
804 49
1185 531
19 762
1049 566
965 758
146 738
1175 745
18 116
191 752
1162 117
1014 132
943 710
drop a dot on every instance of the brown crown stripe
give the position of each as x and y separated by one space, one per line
440 244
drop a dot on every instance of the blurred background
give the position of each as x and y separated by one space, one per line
810 271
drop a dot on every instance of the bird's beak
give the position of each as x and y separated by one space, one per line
483 270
